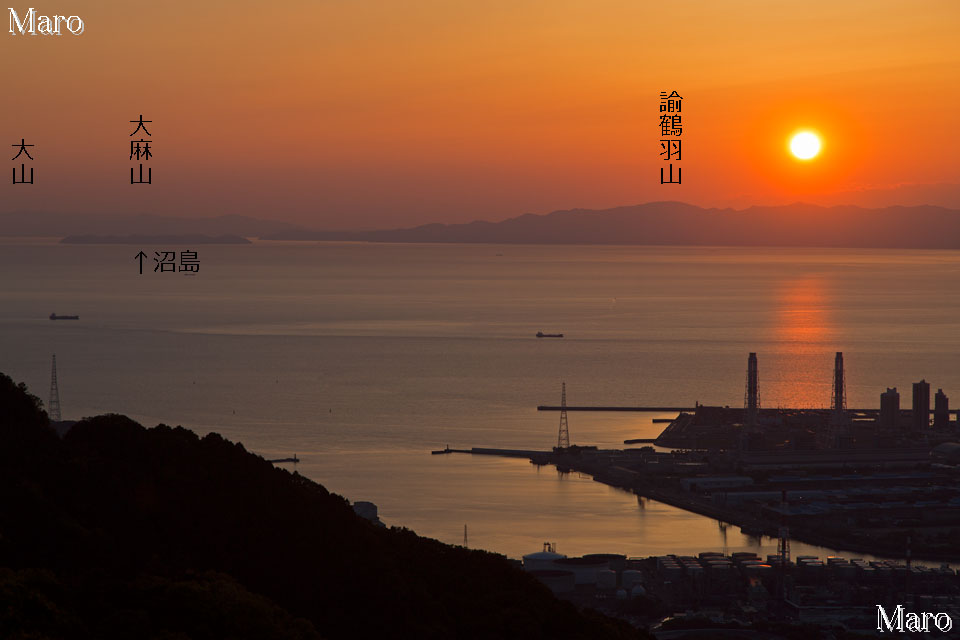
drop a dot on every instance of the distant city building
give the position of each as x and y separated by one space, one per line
921 405
890 410
941 410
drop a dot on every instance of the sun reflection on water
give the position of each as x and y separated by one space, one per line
805 335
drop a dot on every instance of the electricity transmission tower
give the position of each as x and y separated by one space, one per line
563 440
53 410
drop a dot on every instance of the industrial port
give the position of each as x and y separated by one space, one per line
883 482
879 481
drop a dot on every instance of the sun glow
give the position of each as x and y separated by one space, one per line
805 145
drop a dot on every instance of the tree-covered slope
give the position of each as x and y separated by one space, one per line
117 531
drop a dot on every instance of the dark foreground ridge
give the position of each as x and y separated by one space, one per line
117 531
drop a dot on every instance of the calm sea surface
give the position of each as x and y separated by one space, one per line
362 358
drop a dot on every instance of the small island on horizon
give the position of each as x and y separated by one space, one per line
180 239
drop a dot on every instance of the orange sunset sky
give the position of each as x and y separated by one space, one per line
380 113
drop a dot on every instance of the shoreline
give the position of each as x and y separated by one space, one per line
733 517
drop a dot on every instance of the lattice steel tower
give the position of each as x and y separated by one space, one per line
563 440
53 410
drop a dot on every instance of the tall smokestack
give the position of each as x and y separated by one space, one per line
839 402
751 401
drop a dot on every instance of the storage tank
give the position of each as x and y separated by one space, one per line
637 591
615 561
585 569
695 571
720 574
621 594
606 557
847 572
672 571
541 560
606 579
812 569
630 578
558 581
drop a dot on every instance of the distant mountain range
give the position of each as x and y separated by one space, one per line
62 224
676 223
654 223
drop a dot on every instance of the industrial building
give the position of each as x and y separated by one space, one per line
921 406
889 411
941 410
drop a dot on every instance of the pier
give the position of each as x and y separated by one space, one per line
294 460
548 407
506 453
615 408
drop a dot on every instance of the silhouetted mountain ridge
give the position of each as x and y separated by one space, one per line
678 223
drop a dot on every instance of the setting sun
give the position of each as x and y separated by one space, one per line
805 145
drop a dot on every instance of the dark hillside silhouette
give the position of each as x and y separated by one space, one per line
117 531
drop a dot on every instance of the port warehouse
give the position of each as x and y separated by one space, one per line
745 587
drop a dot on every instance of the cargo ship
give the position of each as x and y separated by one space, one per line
541 334
54 316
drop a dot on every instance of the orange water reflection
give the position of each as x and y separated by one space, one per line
805 337
803 322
